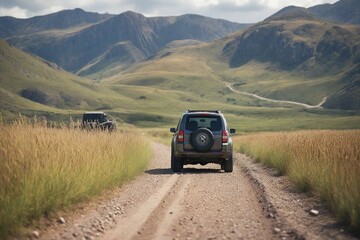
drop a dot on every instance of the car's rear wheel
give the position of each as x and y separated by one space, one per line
228 165
223 165
176 165
202 139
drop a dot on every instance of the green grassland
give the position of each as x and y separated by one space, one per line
323 162
154 93
202 69
43 169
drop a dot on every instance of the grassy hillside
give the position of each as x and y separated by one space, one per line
31 84
331 71
94 41
201 71
305 60
150 94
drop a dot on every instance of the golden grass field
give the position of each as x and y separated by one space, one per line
44 169
324 162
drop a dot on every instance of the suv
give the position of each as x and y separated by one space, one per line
97 120
202 137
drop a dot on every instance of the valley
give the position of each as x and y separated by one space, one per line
289 85
146 78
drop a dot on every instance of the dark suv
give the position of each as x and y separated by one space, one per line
202 137
97 120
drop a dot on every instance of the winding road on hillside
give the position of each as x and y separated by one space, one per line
228 85
202 202
277 101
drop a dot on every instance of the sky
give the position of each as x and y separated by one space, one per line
242 11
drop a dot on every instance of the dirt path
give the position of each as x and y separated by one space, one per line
199 203
277 101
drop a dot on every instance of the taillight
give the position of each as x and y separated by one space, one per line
181 136
225 136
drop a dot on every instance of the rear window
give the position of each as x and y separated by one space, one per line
211 122
94 117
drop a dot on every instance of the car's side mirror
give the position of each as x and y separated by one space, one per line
173 130
232 130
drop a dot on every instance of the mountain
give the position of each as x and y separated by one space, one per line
291 12
343 11
76 49
31 85
122 56
293 56
328 77
324 56
185 74
293 43
10 27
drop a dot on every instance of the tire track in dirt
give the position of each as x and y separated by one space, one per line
221 205
128 228
289 207
174 211
201 202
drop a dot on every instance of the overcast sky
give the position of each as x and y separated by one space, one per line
243 11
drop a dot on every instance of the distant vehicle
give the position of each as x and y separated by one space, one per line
97 120
202 137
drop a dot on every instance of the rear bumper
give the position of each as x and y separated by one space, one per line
194 157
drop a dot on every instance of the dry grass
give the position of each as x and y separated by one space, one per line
324 162
44 169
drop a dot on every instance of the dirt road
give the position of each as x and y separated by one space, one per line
200 203
277 101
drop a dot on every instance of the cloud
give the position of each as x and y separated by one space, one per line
235 10
14 12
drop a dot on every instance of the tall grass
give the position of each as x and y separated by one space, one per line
325 162
44 169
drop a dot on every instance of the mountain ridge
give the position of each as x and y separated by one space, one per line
293 55
147 35
10 26
343 11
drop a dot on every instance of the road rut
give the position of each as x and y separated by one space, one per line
201 202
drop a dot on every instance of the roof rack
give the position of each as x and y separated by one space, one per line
213 111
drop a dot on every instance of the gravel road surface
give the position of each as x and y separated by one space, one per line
202 202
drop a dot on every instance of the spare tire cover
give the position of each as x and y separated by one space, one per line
202 139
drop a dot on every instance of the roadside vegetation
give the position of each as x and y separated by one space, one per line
326 163
45 169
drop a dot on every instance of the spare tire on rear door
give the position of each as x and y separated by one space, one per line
202 139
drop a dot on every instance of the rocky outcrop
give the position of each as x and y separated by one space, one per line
272 43
338 47
290 44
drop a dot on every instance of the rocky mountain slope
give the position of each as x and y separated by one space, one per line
31 85
10 27
291 56
343 11
76 48
295 41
